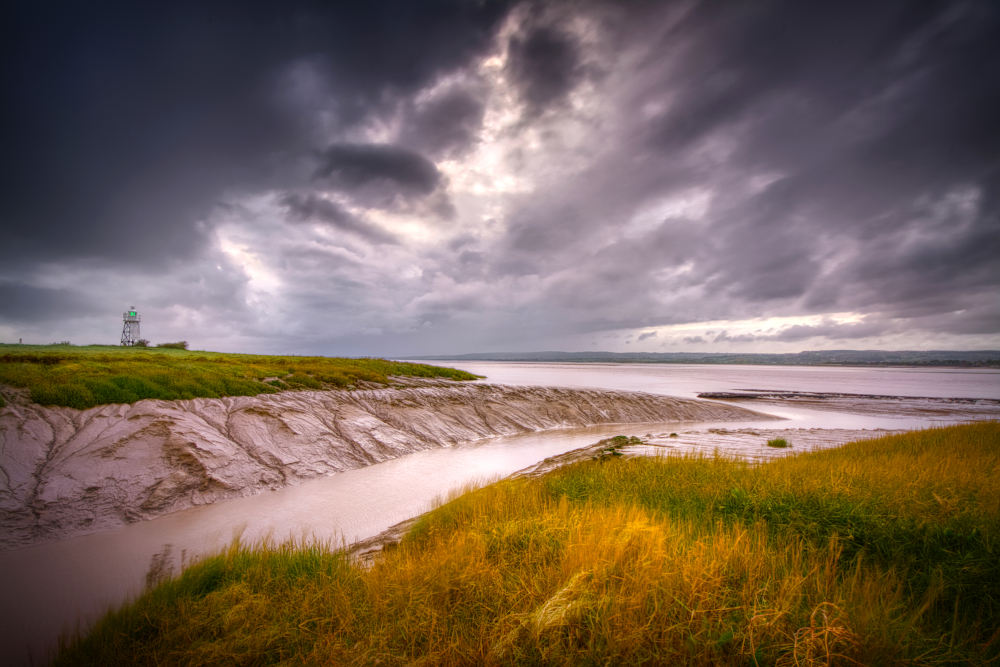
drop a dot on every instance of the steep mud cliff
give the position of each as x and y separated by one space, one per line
65 472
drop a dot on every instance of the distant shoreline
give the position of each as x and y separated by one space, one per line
851 358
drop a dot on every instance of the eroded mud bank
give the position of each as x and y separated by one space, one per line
65 472
921 407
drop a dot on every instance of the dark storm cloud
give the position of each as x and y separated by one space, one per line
124 122
25 303
310 208
446 125
869 113
351 165
848 151
545 65
719 161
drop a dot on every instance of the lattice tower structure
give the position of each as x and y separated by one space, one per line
130 329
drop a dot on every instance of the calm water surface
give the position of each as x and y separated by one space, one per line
689 379
52 587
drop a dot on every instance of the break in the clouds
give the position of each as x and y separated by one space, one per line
440 177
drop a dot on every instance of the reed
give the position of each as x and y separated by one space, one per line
83 377
836 557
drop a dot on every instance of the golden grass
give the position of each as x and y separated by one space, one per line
681 560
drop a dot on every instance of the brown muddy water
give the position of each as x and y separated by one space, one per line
58 587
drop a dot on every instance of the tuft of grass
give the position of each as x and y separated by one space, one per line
777 442
878 552
83 377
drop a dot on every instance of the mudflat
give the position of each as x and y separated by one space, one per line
67 472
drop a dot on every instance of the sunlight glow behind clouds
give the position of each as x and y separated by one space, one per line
481 177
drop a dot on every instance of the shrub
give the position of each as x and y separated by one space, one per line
179 345
142 342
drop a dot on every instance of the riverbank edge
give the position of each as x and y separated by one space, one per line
68 472
842 620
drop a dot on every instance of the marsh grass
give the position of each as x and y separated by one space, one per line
780 443
82 377
878 552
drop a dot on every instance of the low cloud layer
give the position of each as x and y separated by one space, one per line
400 178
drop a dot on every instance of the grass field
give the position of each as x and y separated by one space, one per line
880 552
85 376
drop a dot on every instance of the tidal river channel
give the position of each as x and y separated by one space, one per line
58 587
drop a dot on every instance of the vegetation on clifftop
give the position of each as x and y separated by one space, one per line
880 552
82 377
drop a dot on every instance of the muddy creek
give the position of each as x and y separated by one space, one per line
59 586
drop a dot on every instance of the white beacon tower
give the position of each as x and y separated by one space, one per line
130 331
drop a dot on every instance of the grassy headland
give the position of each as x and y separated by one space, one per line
877 552
82 377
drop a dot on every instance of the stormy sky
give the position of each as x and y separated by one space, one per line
436 177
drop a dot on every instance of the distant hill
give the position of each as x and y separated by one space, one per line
977 358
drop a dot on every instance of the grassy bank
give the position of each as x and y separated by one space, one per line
878 552
82 377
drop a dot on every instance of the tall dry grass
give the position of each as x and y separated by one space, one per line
807 560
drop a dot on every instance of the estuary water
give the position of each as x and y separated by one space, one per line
688 380
58 587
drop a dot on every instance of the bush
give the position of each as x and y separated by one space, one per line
142 342
179 345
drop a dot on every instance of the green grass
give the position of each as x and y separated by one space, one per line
879 552
83 377
780 443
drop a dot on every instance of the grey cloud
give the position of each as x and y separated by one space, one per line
23 303
870 130
648 334
832 330
857 115
846 153
446 125
308 207
123 125
545 64
724 337
354 165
